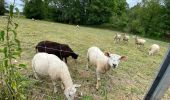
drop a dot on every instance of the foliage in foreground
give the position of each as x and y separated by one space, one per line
12 83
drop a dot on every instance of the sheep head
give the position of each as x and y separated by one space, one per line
71 91
74 55
114 60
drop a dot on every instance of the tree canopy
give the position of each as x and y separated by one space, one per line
34 9
2 7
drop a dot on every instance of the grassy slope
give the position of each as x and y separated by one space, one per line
129 81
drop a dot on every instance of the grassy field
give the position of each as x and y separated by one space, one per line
129 81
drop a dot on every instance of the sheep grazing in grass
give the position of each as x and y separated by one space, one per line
44 64
140 42
102 61
117 38
33 19
60 50
125 37
77 26
154 49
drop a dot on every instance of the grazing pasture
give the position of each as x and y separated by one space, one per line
130 81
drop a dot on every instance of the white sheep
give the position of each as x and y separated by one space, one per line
77 26
154 49
140 42
125 37
33 19
102 61
117 37
44 64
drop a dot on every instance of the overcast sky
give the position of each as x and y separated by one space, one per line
19 3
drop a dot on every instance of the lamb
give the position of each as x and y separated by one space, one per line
117 37
140 42
60 50
154 49
44 64
102 61
125 37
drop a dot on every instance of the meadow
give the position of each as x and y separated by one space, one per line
130 81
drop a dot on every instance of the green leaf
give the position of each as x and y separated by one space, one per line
23 97
22 66
17 53
17 41
5 62
2 34
18 44
16 25
13 57
15 33
5 51
11 10
14 85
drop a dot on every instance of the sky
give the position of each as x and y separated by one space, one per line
133 2
19 3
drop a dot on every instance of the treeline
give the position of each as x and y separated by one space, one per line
75 11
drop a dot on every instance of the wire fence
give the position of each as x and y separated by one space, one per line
60 50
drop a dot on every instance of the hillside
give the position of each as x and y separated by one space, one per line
130 81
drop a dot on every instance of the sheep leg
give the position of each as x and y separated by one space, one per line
87 65
62 86
55 88
62 58
98 79
115 40
36 76
65 59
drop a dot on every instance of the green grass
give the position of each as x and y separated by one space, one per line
130 81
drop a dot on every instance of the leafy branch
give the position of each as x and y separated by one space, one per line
11 84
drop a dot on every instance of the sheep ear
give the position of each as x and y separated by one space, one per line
123 58
107 54
76 85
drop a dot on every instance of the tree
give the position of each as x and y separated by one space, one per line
2 7
83 11
167 16
34 9
148 18
99 11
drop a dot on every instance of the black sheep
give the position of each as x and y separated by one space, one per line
60 50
